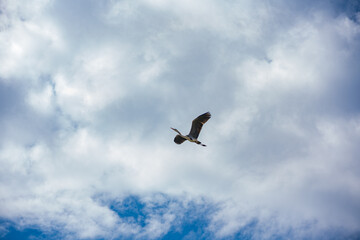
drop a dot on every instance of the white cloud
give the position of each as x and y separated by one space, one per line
42 100
94 80
282 142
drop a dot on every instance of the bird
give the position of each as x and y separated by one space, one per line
196 126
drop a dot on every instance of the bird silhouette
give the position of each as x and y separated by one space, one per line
196 126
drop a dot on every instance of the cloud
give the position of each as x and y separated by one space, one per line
88 94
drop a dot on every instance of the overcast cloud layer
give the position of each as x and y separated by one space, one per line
90 89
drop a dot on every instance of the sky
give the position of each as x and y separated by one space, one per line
90 89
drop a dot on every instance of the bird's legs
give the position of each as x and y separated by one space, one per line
198 142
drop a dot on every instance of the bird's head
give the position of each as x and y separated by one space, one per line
176 130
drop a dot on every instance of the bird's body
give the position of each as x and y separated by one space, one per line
196 126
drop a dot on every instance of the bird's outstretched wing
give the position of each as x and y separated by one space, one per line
179 139
197 124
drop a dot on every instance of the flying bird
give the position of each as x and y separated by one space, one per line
196 126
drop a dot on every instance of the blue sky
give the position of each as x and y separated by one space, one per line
90 89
